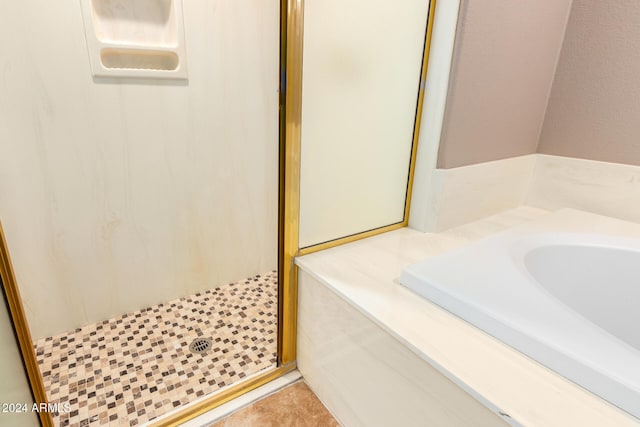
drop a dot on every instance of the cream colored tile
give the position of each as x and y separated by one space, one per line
464 194
610 189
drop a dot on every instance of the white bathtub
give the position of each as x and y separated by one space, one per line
569 301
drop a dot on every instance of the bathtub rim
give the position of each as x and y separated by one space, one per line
605 381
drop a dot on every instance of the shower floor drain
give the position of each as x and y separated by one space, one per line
200 345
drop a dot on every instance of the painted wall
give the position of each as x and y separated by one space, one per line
595 102
504 60
118 195
361 74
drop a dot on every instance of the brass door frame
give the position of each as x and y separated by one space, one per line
291 40
290 115
291 50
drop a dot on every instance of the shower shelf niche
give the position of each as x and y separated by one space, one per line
135 38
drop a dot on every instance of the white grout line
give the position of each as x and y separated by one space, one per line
244 400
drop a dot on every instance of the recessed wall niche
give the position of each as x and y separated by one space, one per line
135 38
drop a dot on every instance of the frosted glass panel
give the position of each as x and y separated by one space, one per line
361 72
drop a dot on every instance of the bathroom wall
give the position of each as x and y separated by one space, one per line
595 102
361 75
586 152
504 59
15 385
116 195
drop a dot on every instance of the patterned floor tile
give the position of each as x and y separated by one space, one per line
131 369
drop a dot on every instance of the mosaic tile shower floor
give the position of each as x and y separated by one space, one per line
133 368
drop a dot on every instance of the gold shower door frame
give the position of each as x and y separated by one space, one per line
291 43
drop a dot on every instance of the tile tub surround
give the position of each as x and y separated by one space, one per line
133 368
364 274
460 195
468 193
611 189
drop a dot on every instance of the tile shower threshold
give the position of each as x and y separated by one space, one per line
134 368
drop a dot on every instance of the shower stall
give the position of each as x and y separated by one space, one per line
139 197
154 189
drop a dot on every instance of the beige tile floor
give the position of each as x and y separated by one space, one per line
293 406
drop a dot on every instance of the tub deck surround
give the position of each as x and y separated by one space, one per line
367 377
365 274
133 368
